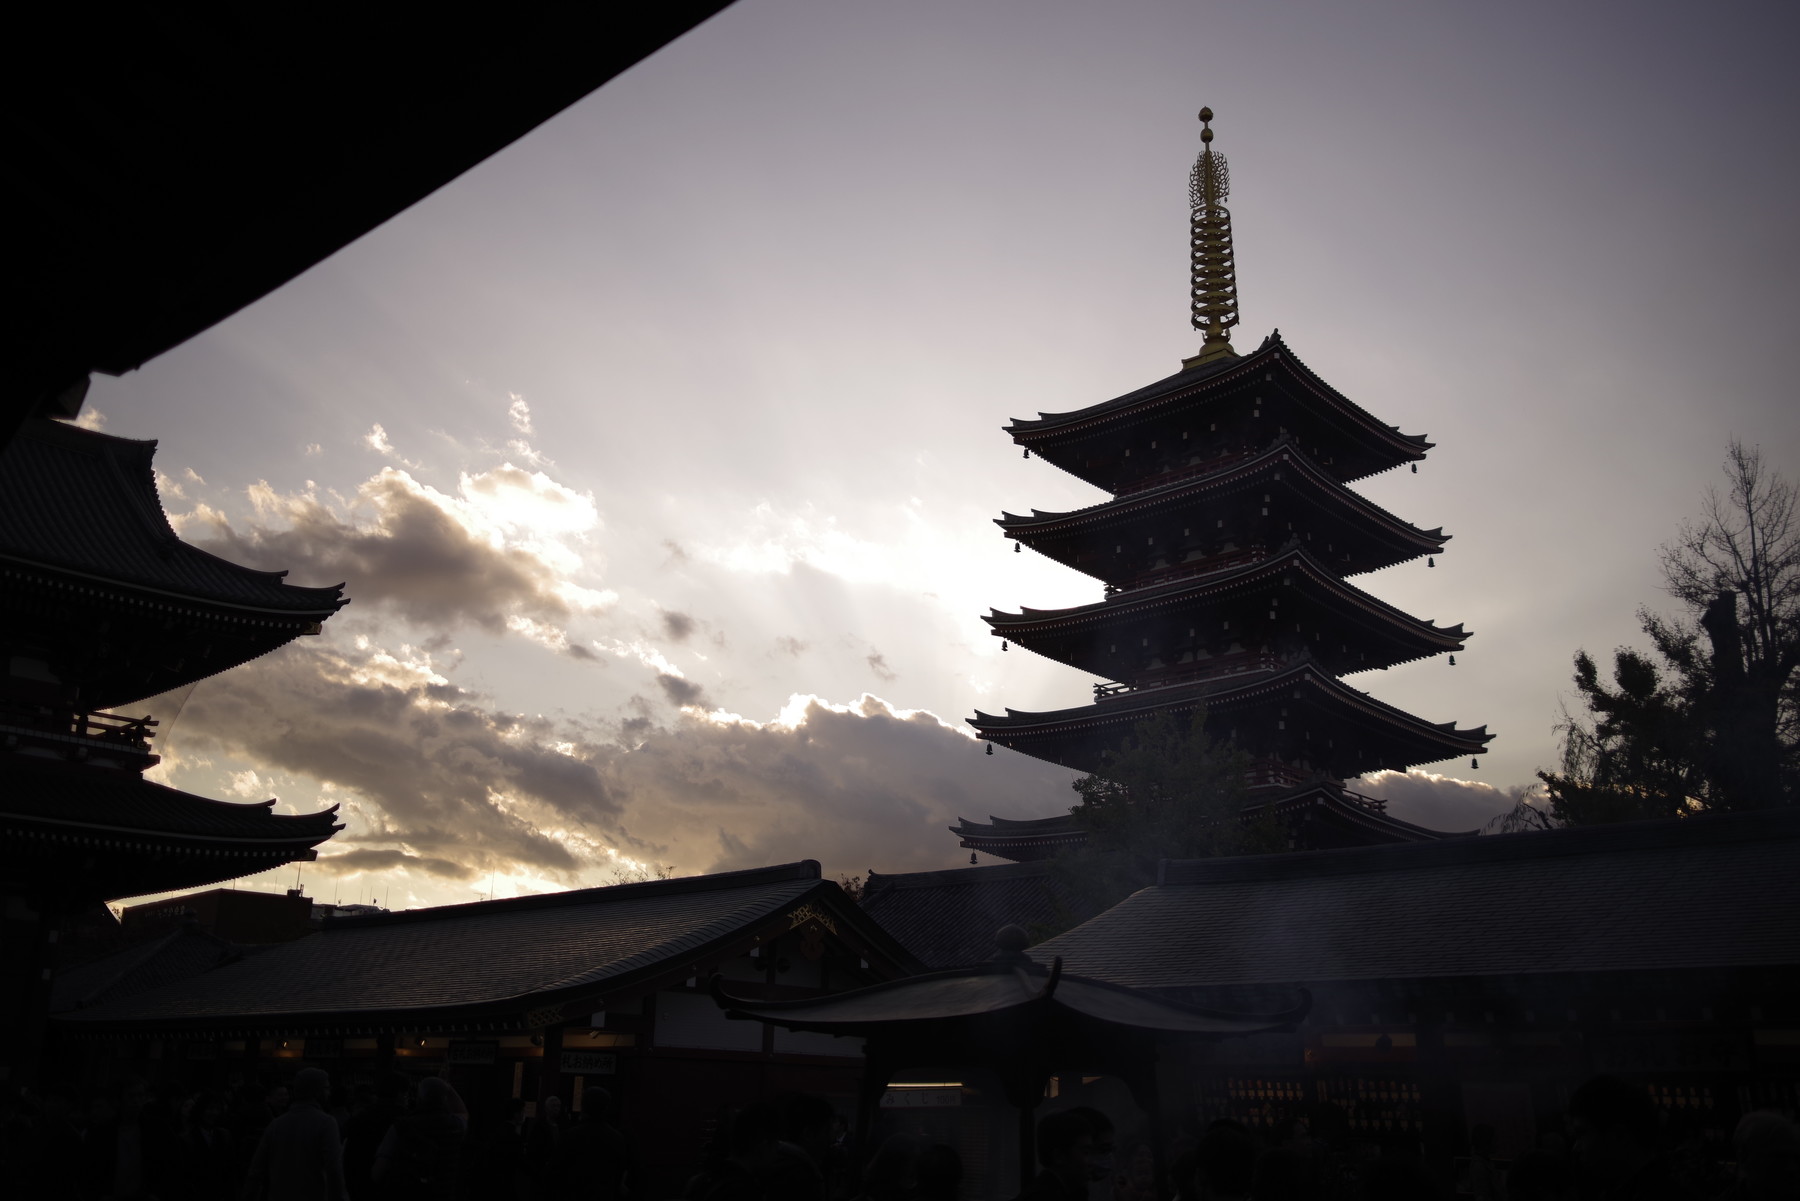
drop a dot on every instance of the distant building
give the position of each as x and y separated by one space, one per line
1225 554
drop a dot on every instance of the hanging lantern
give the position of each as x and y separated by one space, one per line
1027 452
1003 646
1453 660
1018 547
1474 763
972 860
1430 561
1415 469
990 749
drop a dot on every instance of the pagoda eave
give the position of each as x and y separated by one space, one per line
1376 734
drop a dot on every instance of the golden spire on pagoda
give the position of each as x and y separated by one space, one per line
1215 306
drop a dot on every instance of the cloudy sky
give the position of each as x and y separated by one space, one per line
660 451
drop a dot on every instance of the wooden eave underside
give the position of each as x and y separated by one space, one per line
1122 712
1163 503
1053 435
1234 584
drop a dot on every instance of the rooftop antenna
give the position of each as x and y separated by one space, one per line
1213 269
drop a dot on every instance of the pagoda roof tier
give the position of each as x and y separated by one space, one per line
120 606
1151 533
1330 816
1303 714
1289 599
91 833
1211 405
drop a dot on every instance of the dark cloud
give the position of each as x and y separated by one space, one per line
677 556
578 651
350 863
415 558
878 664
681 691
853 786
436 781
442 774
1440 802
678 625
790 646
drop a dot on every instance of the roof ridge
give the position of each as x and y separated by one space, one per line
957 875
804 869
1709 829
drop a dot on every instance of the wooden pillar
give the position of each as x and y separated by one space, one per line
550 1075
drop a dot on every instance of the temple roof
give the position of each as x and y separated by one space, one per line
499 959
1295 470
1017 994
1717 891
80 503
1048 431
1035 625
138 836
1093 727
948 918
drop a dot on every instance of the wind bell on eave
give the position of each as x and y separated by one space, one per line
1214 271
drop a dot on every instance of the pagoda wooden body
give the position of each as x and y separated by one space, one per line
1226 555
103 606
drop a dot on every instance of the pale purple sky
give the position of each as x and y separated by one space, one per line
768 299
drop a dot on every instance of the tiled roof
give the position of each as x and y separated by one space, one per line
493 954
949 918
97 801
1710 892
1272 349
85 503
181 954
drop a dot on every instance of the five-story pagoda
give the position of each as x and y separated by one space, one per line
1225 554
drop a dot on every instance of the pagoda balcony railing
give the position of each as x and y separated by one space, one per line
1217 668
53 723
1254 553
1176 475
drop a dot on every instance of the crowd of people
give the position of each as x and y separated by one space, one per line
389 1139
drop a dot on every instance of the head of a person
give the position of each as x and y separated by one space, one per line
552 1107
1065 1144
434 1095
937 1175
1540 1175
1224 1163
311 1086
1613 1126
276 1097
807 1121
1768 1155
1100 1157
134 1094
892 1172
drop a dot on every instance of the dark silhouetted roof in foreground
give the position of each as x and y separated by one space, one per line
84 503
988 991
493 955
71 803
1711 892
178 162
948 918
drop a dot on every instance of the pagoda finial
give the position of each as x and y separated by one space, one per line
1215 306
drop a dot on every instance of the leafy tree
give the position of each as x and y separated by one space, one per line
1708 721
1170 792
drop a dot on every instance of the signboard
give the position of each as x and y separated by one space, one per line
589 1063
472 1052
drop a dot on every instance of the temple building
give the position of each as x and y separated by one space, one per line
103 606
1226 554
